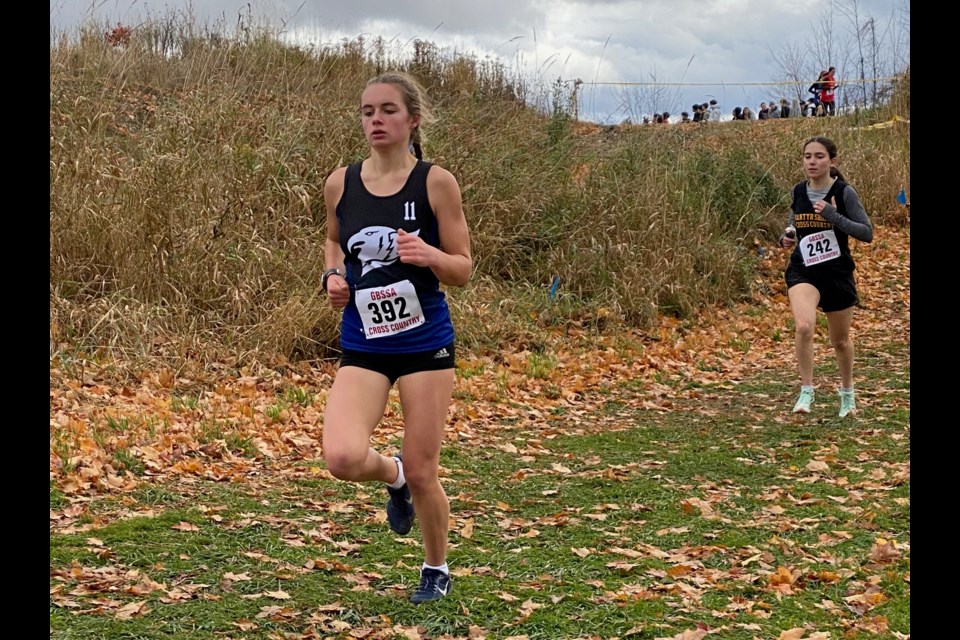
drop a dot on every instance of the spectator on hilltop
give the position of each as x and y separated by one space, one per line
738 113
784 108
697 114
796 108
773 111
764 112
748 114
828 88
707 116
714 111
685 117
817 88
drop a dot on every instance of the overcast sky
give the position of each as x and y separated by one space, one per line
704 48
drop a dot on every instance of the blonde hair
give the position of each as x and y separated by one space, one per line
415 99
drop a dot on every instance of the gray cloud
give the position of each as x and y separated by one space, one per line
706 48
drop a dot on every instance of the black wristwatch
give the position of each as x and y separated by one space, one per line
326 275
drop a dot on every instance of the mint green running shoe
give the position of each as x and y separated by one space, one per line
804 401
848 404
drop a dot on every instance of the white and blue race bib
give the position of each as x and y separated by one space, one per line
389 310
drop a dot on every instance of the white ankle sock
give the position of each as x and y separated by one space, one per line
400 481
842 390
443 567
806 387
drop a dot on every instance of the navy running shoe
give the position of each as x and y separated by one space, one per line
434 584
400 513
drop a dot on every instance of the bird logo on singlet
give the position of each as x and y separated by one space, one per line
375 247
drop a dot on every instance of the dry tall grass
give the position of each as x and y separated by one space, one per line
186 213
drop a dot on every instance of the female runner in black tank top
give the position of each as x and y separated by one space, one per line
825 212
395 231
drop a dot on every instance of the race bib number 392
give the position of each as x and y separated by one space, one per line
389 310
819 247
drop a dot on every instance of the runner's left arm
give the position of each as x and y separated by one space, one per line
453 264
856 223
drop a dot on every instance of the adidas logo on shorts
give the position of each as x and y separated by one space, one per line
443 353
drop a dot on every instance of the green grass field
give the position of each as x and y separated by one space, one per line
726 514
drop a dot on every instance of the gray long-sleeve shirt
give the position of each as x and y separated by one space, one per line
855 224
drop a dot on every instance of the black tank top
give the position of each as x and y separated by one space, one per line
368 225
368 229
807 222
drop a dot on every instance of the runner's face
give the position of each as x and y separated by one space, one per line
386 121
816 161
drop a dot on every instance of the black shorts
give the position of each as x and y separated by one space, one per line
838 289
394 365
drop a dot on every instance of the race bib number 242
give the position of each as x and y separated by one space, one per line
819 247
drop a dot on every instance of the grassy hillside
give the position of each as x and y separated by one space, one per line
186 213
